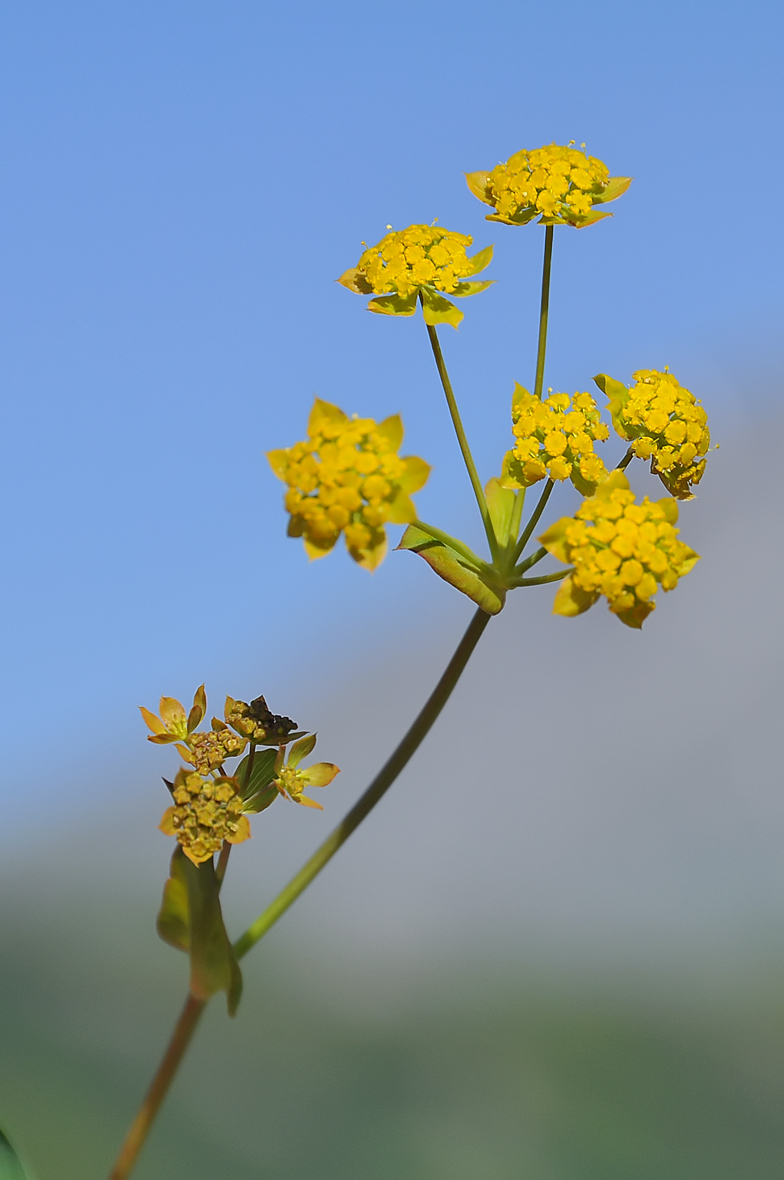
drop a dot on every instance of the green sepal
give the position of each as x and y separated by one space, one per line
571 600
637 615
10 1164
500 504
586 487
591 218
394 304
517 219
463 289
214 966
173 924
438 310
262 772
301 749
477 182
615 187
480 260
391 430
617 395
453 568
354 280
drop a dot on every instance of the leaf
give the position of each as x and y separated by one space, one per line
173 923
401 510
301 749
199 709
279 462
501 503
151 721
438 310
480 260
394 304
214 966
10 1163
261 800
450 566
615 187
464 289
477 182
321 774
554 538
262 773
637 615
591 218
518 218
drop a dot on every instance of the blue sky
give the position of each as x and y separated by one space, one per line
182 184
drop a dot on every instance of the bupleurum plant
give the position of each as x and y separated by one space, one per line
347 478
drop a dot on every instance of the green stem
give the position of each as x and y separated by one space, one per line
181 1038
625 461
534 520
545 578
468 458
535 557
377 789
544 310
223 861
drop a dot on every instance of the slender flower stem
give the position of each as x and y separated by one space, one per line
534 519
544 310
545 578
223 861
625 461
377 789
468 458
535 557
181 1038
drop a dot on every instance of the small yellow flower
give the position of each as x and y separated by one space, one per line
174 725
664 423
347 477
292 782
421 260
620 549
555 438
206 812
559 185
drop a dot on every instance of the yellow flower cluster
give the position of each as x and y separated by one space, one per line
206 812
560 185
420 256
665 423
620 549
422 260
555 437
347 477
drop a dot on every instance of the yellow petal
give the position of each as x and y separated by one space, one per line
199 709
303 799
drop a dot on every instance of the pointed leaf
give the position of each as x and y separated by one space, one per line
554 539
355 281
401 509
617 395
637 615
438 310
394 304
450 566
500 503
261 800
214 965
199 709
151 721
173 923
262 772
279 462
591 219
464 289
10 1163
322 411
616 187
477 182
301 749
480 260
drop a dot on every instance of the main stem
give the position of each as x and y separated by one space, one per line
377 789
468 458
140 1127
191 1013
544 310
